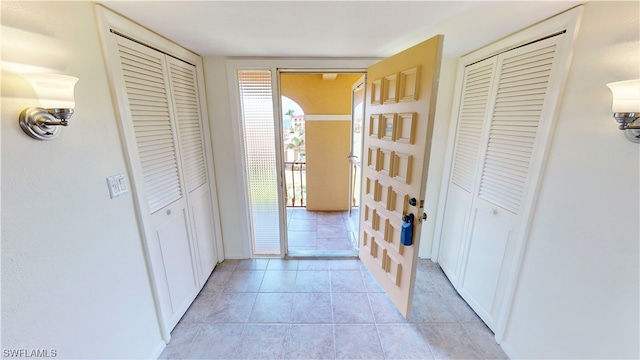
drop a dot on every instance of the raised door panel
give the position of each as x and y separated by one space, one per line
488 240
176 256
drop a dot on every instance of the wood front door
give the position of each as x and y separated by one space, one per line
401 95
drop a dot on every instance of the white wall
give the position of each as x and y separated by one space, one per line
578 288
73 270
226 160
448 69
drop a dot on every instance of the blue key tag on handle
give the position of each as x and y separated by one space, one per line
406 234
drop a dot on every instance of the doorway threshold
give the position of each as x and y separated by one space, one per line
321 254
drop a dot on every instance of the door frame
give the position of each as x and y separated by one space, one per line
275 65
361 83
569 22
279 116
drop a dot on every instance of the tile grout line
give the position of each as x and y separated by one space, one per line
333 320
424 336
235 353
375 319
200 326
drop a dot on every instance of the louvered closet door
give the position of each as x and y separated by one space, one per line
183 82
474 105
501 188
144 76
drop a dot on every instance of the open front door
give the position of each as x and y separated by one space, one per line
401 94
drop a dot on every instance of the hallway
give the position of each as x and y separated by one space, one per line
325 309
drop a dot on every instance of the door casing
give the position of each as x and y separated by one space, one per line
275 65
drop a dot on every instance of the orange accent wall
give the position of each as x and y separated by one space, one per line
318 96
328 145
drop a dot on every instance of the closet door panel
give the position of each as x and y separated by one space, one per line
474 105
183 81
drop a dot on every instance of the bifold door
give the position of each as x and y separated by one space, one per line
166 143
498 141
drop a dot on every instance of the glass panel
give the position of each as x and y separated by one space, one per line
258 126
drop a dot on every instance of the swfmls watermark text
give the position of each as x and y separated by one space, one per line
29 353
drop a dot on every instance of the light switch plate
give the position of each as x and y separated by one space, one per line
117 185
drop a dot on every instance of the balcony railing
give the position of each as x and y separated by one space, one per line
295 175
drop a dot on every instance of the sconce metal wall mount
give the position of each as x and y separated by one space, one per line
44 124
630 122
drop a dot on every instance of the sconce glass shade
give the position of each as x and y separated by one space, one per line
626 96
626 107
53 90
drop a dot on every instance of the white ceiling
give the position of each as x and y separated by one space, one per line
332 28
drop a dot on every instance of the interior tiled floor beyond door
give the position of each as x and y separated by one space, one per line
325 309
320 232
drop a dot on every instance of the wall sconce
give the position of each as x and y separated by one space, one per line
55 93
626 107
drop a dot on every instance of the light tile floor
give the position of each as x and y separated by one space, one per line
325 309
320 231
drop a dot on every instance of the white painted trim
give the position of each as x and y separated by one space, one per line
279 147
123 25
346 117
158 350
277 66
567 21
508 350
206 132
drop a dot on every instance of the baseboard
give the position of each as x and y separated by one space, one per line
158 350
508 350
